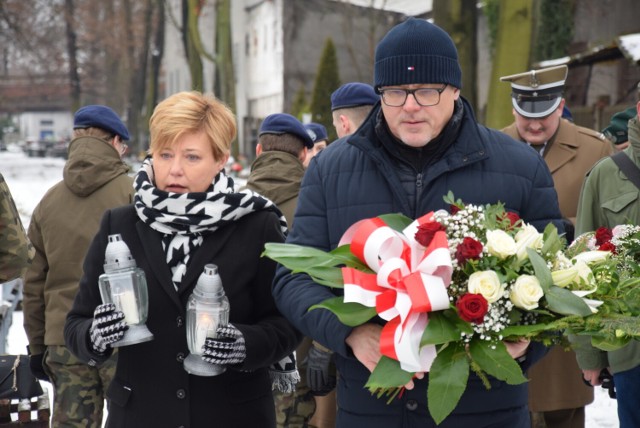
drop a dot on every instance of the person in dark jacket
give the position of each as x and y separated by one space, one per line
419 143
94 179
283 145
185 215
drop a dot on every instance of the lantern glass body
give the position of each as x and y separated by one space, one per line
127 290
207 308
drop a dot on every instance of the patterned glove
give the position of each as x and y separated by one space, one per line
108 326
227 348
320 379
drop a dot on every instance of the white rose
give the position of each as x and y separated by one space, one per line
500 244
526 292
486 283
527 237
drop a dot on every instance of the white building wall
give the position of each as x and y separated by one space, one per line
176 68
265 65
52 126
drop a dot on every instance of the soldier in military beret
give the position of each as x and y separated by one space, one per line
350 106
94 179
556 390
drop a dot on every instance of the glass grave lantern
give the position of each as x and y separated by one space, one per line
207 308
125 285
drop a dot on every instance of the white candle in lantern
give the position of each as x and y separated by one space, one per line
126 302
205 327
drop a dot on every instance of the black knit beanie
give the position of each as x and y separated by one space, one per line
416 51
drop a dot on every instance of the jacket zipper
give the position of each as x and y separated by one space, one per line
418 192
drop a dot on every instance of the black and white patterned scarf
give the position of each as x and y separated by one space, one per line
183 219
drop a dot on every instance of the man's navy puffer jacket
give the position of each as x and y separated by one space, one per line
354 179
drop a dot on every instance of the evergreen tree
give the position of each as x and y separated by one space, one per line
300 105
327 81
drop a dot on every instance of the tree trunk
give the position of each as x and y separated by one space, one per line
513 51
459 18
157 54
225 78
72 52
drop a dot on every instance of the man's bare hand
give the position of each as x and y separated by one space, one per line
517 349
592 376
364 341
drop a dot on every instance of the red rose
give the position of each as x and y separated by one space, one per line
426 231
454 209
469 249
512 217
603 234
472 307
607 246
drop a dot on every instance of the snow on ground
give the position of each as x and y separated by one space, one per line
29 179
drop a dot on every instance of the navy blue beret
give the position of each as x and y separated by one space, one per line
316 131
97 116
353 94
283 123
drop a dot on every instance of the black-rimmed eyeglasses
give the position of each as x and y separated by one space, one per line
425 97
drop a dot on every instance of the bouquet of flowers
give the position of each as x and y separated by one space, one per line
453 287
614 259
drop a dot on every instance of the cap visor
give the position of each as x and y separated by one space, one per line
535 108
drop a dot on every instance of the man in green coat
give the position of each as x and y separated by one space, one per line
283 146
62 226
609 199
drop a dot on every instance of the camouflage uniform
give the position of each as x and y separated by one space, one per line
80 390
16 252
294 409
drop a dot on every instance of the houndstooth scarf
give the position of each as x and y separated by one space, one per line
182 219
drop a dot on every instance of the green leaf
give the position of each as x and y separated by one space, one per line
523 330
299 258
494 359
610 343
345 257
387 374
442 329
396 222
552 242
351 314
329 276
448 378
541 270
563 301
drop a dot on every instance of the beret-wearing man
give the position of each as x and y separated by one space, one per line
94 179
283 146
318 134
351 103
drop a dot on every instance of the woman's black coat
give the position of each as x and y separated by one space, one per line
151 387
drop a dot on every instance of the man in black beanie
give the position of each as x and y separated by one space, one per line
419 143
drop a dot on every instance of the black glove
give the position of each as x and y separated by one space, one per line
227 348
36 364
320 378
108 326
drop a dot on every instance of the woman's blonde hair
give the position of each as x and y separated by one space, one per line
188 113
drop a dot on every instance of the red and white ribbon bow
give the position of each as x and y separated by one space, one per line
409 282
